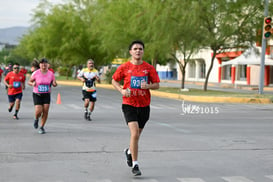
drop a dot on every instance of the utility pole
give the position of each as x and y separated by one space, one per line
261 84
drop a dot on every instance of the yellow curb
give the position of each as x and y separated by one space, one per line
211 99
79 83
207 99
72 83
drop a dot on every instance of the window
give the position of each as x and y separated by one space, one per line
241 72
202 69
226 72
192 68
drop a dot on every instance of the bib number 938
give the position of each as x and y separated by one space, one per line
137 80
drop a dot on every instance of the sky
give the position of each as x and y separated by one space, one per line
18 12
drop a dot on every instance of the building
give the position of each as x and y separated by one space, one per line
236 67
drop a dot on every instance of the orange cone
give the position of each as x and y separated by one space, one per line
59 99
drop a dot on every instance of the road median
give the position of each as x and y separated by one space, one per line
193 98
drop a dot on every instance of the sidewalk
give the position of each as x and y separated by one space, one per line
217 86
177 84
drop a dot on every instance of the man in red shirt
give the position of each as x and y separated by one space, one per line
138 77
23 70
15 82
1 71
50 69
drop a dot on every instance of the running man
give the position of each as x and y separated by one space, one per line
139 77
15 83
89 76
42 80
6 71
1 71
23 70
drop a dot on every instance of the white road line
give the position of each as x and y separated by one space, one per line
103 180
236 179
190 180
74 106
269 176
155 107
173 127
144 180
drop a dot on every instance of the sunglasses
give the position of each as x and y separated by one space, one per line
15 67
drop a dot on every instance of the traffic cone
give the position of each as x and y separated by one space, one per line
59 99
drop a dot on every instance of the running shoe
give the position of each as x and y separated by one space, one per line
41 130
10 109
136 171
85 115
15 117
35 125
89 118
129 158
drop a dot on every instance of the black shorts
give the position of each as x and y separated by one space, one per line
41 99
12 98
92 96
139 114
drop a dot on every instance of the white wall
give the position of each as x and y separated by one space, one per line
204 54
254 70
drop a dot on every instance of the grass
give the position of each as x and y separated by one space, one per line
198 92
64 78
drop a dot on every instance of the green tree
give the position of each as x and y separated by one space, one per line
69 34
124 21
64 34
228 24
185 34
4 54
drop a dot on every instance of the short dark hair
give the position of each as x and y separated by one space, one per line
43 60
16 64
136 42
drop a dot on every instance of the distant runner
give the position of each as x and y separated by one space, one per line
15 83
89 76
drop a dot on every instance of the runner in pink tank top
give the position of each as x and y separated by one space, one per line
42 80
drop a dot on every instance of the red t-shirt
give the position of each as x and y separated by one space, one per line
50 69
24 71
16 81
132 76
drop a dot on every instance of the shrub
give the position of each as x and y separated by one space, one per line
64 71
109 74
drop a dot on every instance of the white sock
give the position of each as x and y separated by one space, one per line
135 163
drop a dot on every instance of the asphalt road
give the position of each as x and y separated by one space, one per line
182 142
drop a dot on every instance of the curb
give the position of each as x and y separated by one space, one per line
206 99
211 99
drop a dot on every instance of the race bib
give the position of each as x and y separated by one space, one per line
16 84
43 88
137 80
89 83
94 94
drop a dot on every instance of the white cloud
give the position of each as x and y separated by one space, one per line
18 12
